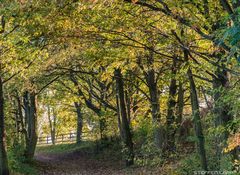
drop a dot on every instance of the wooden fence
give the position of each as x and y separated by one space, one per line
62 138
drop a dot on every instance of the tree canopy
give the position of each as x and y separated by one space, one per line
153 75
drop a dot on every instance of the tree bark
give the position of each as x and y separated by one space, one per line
155 109
151 80
171 129
3 156
90 105
179 110
16 140
21 118
221 112
126 133
118 114
79 122
52 124
31 120
197 121
128 105
53 133
180 104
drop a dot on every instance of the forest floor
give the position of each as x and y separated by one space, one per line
70 159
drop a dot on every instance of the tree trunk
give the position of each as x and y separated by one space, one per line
3 156
102 126
197 121
16 140
31 120
52 121
180 106
151 79
21 118
128 105
155 109
118 114
53 133
90 105
126 133
196 116
171 129
221 112
79 122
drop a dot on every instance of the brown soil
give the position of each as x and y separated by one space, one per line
83 163
76 163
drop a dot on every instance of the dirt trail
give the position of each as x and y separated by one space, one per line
86 162
76 163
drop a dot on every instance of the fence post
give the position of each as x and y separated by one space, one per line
72 136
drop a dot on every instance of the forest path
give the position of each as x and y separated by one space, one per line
72 159
76 163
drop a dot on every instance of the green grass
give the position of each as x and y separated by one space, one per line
65 148
17 162
24 169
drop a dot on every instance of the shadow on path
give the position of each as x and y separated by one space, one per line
76 163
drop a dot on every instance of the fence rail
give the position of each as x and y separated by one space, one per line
62 138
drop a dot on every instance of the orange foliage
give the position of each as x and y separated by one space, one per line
233 142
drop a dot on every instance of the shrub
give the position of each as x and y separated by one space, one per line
17 161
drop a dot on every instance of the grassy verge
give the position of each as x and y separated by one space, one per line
18 164
65 148
24 169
